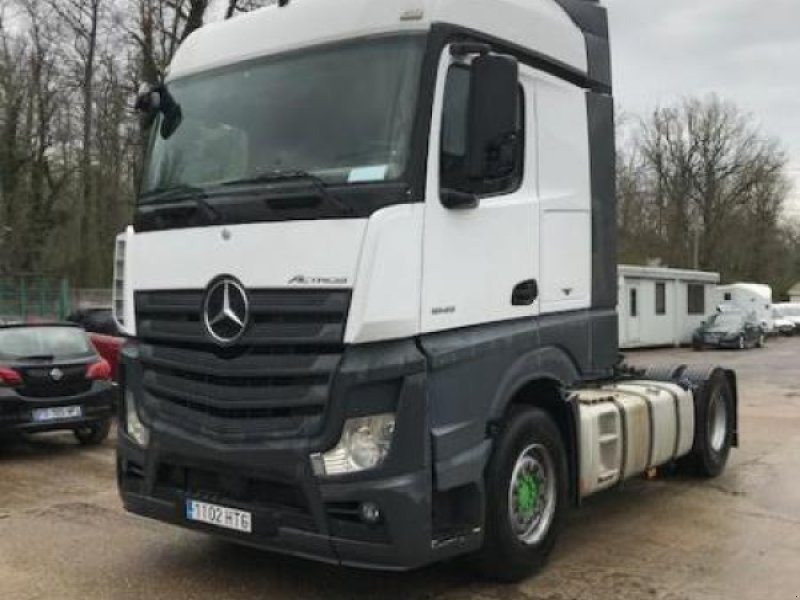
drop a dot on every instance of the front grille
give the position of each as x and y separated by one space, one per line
275 382
38 382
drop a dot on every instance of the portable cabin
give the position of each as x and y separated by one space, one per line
663 307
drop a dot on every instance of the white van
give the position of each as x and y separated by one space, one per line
787 314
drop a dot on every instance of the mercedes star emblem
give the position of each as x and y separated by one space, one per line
226 311
56 375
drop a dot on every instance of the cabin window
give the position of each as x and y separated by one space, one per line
696 299
634 302
661 299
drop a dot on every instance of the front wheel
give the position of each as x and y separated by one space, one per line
526 496
94 434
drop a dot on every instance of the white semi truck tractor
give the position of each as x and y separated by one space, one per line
370 288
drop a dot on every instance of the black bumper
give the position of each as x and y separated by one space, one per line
97 405
295 511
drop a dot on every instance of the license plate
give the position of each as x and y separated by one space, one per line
219 516
44 415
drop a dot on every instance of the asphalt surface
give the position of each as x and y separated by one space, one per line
64 535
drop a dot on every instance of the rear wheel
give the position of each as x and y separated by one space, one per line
93 435
714 423
526 496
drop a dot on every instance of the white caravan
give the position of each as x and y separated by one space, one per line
370 288
751 298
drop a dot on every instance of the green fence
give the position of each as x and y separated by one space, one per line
25 297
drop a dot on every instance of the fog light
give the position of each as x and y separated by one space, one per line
364 445
370 513
133 424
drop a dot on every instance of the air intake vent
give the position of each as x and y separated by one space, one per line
118 291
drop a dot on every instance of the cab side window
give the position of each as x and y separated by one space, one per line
455 132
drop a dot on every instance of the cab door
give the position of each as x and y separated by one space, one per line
480 262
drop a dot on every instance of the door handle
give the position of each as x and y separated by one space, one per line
525 293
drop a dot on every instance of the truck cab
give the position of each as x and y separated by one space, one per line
372 258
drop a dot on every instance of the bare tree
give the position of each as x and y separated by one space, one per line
701 186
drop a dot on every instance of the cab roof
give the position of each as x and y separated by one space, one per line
540 26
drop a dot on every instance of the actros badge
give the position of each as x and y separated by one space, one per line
226 311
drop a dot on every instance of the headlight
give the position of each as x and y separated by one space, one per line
364 444
133 425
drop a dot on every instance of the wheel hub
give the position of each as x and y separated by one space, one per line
527 494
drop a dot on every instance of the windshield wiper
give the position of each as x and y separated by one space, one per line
299 175
184 194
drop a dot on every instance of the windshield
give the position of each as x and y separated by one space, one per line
49 343
727 321
343 114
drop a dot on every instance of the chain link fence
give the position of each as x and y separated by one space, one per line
34 297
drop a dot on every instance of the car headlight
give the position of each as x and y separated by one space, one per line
133 424
364 445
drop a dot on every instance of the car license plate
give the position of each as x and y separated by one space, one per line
44 415
219 516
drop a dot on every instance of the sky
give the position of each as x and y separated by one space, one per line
746 51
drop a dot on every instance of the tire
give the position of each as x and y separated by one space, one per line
514 551
714 409
93 435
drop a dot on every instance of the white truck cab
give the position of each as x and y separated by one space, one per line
370 287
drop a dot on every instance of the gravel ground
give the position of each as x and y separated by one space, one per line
63 533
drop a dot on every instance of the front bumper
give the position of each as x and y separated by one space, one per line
97 405
295 511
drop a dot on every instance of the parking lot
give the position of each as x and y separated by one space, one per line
63 533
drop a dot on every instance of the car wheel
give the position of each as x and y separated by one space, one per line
526 496
714 423
93 435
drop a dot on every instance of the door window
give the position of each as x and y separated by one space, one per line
661 299
634 302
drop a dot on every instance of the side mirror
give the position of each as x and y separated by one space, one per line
492 117
154 100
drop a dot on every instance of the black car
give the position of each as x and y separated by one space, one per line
51 378
96 320
729 329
